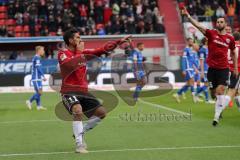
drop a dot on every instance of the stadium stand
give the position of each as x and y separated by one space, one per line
215 8
23 18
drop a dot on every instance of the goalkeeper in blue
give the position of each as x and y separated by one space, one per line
37 77
138 69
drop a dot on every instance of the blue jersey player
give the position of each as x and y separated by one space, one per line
197 77
138 69
189 67
203 67
37 76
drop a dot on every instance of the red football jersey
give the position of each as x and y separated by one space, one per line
231 66
73 68
218 46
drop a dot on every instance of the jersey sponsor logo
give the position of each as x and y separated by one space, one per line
221 43
228 40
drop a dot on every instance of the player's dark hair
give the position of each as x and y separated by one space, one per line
236 36
139 44
189 38
221 17
69 34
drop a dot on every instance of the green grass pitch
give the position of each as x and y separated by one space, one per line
41 135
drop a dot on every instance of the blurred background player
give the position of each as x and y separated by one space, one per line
203 68
37 77
234 81
138 69
188 70
196 70
218 44
228 29
74 89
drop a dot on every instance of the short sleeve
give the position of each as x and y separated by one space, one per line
232 44
209 33
62 57
38 62
185 52
135 56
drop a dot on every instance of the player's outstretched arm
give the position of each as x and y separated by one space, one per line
108 47
193 21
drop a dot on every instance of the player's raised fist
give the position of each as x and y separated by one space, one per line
126 38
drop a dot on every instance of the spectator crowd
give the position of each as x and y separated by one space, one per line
92 17
214 9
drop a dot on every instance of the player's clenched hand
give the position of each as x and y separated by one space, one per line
125 39
44 79
184 11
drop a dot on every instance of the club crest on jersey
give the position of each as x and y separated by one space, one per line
228 40
63 57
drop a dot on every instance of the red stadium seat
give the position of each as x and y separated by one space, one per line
3 8
18 34
26 28
26 34
2 22
37 27
18 29
53 33
37 34
3 16
10 28
156 59
10 22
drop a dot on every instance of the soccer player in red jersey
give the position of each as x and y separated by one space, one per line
235 81
75 96
218 72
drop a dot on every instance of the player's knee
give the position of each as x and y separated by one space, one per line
143 83
220 90
40 92
77 112
206 84
101 112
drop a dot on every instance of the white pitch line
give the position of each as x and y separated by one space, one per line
164 107
31 121
121 150
44 120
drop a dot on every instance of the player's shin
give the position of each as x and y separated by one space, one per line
38 99
137 91
205 91
199 89
34 97
91 123
77 131
221 103
183 90
237 100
